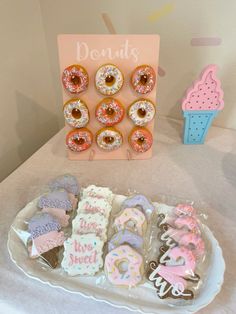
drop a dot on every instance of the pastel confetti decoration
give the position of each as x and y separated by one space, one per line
163 11
108 23
201 104
206 41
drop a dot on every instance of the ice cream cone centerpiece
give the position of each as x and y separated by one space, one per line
201 104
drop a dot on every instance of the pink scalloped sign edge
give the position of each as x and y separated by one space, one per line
206 93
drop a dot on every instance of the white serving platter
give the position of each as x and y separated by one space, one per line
142 298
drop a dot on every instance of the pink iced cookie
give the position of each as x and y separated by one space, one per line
171 280
132 219
193 242
46 242
188 223
59 214
206 93
124 266
184 210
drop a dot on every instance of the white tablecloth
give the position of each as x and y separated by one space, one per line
205 173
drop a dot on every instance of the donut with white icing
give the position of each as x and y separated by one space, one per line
76 113
141 111
109 139
109 79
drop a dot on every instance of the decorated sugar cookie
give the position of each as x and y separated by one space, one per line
132 219
124 266
45 234
67 182
139 201
98 192
55 199
90 223
171 280
82 255
91 205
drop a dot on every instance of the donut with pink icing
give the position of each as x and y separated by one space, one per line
75 79
79 140
143 79
124 266
109 111
140 139
132 219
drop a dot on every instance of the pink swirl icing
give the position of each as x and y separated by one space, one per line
206 93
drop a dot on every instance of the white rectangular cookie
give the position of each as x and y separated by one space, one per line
90 223
82 255
91 205
98 192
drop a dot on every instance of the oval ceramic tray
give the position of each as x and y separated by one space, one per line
142 298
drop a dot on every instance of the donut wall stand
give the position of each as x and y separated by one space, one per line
126 52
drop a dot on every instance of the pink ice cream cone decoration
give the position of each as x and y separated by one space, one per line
201 104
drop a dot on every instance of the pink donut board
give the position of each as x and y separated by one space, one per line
125 51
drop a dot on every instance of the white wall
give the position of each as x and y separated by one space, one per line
28 115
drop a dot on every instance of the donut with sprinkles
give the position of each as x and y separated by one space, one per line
143 79
109 79
79 140
140 139
75 79
109 111
141 111
76 113
109 139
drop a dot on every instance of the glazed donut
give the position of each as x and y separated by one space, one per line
124 266
75 79
108 79
194 243
143 79
125 237
109 139
109 111
79 140
140 139
131 219
76 113
141 111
